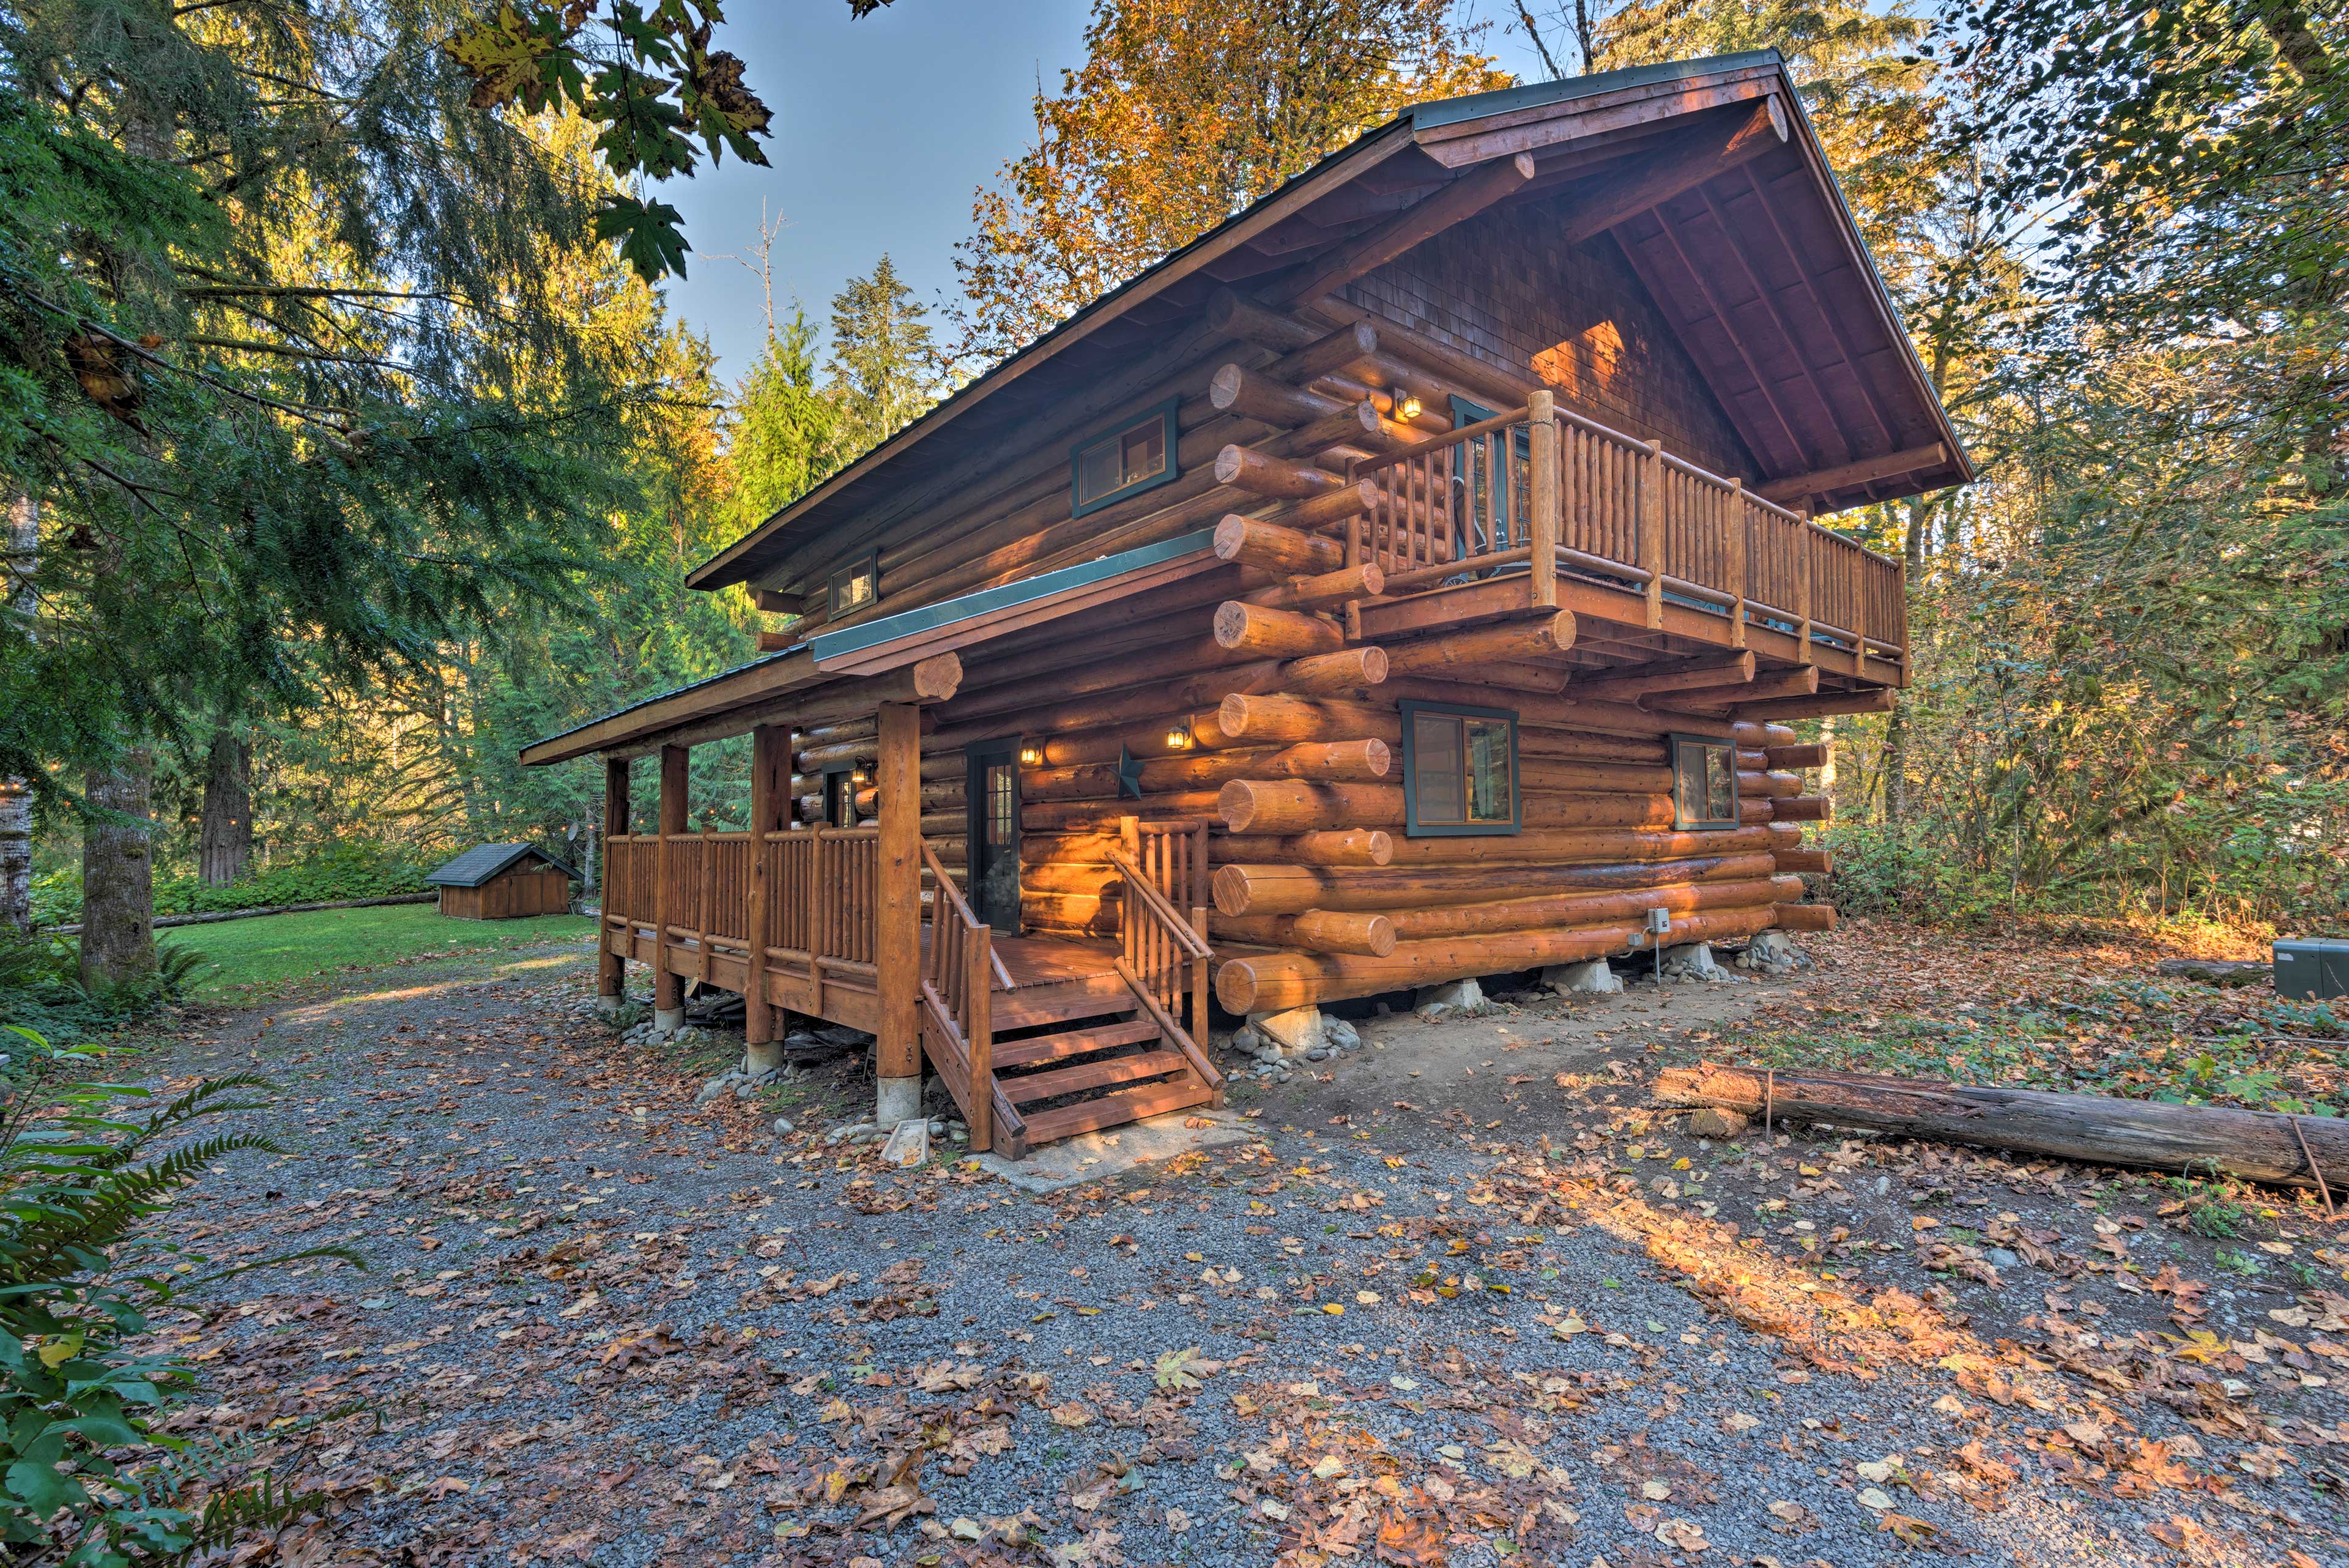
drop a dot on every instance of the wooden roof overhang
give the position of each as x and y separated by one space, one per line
910 657
1743 240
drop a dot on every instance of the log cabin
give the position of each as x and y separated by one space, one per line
1409 580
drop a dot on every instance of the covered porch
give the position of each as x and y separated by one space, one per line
1036 1038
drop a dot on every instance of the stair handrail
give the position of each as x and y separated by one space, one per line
958 988
960 907
1163 912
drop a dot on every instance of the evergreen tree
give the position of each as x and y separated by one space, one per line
884 365
784 432
287 374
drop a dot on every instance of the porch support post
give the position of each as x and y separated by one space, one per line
612 968
770 797
669 992
897 944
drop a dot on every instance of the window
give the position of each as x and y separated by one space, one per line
1704 782
1124 463
1495 504
840 786
1459 771
856 584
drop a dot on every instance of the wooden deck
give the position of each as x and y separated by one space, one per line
1038 1038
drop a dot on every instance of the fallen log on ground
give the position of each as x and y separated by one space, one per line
2095 1129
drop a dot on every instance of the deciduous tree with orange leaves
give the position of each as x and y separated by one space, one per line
1184 112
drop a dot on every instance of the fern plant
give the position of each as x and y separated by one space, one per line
86 1476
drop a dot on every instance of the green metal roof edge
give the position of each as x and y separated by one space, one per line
945 612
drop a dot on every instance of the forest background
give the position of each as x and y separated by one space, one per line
348 441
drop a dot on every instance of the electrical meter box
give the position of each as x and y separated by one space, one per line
2311 969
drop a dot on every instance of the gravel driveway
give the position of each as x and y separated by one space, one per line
603 1325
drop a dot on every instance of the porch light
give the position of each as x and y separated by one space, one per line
1179 738
1406 406
1031 757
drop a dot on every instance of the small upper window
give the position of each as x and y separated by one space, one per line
1459 771
1124 463
856 584
1704 782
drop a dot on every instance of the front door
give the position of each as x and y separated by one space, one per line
994 793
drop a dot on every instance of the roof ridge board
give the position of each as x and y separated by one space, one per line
1508 107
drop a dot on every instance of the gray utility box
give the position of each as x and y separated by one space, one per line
2312 968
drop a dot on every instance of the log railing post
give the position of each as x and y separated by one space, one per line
668 993
1541 438
1651 529
770 790
612 967
978 1030
706 856
898 917
1805 548
1737 526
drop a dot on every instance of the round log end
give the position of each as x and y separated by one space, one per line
939 677
1232 712
1229 888
1235 986
1232 620
1375 583
1380 846
1365 337
1237 803
1229 533
1224 388
1378 757
1228 463
1374 665
1368 417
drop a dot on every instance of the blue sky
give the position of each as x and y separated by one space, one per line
882 129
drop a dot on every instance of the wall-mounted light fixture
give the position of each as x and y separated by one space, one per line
1031 757
1180 739
1406 406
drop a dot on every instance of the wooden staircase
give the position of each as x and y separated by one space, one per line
1078 1056
1043 1060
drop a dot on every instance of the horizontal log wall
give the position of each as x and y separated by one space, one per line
1252 695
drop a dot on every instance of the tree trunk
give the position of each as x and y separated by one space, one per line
2258 1145
224 836
23 549
118 879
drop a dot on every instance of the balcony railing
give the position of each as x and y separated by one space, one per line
1544 490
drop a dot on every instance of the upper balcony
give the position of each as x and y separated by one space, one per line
1541 507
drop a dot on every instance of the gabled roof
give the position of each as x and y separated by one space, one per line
485 862
1761 273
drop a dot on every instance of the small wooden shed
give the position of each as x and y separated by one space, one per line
503 882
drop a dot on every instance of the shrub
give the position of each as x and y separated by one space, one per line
357 869
41 988
85 1471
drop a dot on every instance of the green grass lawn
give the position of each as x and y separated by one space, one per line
279 952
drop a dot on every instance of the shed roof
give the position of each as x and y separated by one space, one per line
1761 272
484 861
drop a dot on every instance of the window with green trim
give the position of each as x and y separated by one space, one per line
1126 461
1704 782
1459 771
855 586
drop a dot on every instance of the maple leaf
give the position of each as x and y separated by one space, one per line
1410 1539
1178 1369
1906 1529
